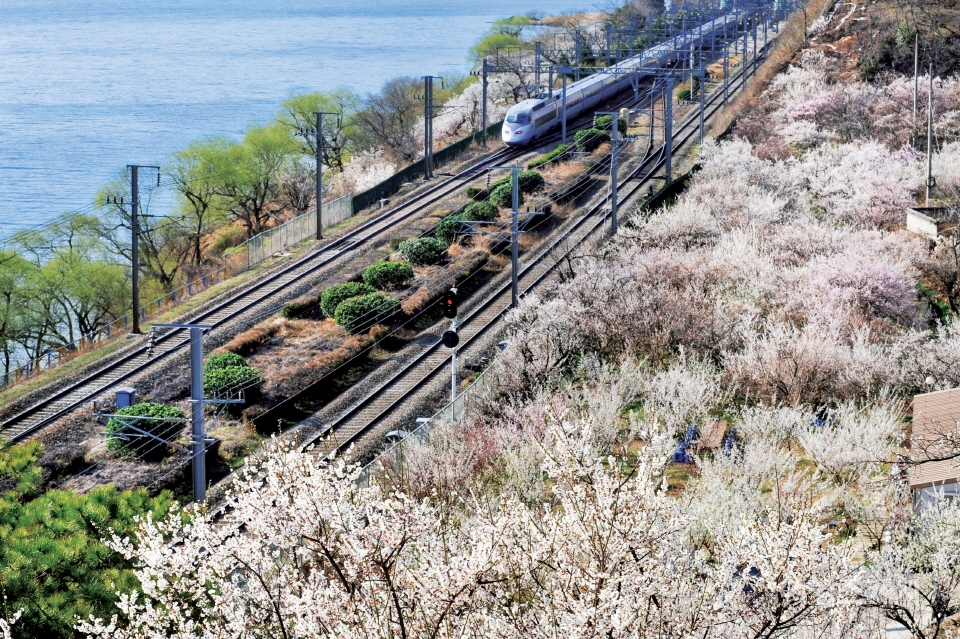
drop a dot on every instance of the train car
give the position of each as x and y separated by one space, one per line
530 119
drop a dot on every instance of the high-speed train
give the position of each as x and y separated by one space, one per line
528 120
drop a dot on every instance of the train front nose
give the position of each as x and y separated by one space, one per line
514 135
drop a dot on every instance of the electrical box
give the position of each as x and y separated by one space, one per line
126 397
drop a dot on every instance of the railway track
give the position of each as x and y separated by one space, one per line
68 399
64 401
390 398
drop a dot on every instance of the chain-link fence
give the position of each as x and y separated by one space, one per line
276 240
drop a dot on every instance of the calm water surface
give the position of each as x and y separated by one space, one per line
87 87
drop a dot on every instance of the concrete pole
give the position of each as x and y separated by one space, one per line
614 131
536 71
930 137
703 78
197 434
135 246
319 147
515 232
563 119
916 79
668 130
726 64
484 117
453 383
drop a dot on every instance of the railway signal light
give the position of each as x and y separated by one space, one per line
450 339
450 304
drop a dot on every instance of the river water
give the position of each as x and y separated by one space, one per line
89 86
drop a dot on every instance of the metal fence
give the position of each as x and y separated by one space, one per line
276 240
239 259
391 460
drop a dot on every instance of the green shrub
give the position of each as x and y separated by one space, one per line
449 228
424 251
530 182
587 140
605 123
548 157
227 383
683 94
223 360
396 241
360 313
498 183
502 196
339 293
121 437
476 193
388 276
481 212
301 307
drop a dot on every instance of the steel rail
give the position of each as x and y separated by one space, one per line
332 441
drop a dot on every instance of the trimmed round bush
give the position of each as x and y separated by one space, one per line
605 123
223 360
360 313
339 293
530 182
424 251
481 211
502 196
121 437
587 140
388 276
227 383
683 94
449 228
476 192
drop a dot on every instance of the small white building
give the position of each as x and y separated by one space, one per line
931 222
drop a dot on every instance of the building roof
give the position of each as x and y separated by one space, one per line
934 416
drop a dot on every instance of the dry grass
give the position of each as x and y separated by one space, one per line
251 341
429 291
792 38
557 173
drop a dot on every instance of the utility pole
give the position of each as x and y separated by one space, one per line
428 126
536 71
482 74
930 180
197 435
563 71
135 238
702 75
916 78
515 232
614 133
135 246
319 147
668 130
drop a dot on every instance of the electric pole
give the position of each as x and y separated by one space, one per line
135 238
614 133
916 79
198 439
930 181
319 152
668 130
515 232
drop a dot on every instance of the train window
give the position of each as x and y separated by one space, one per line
518 118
